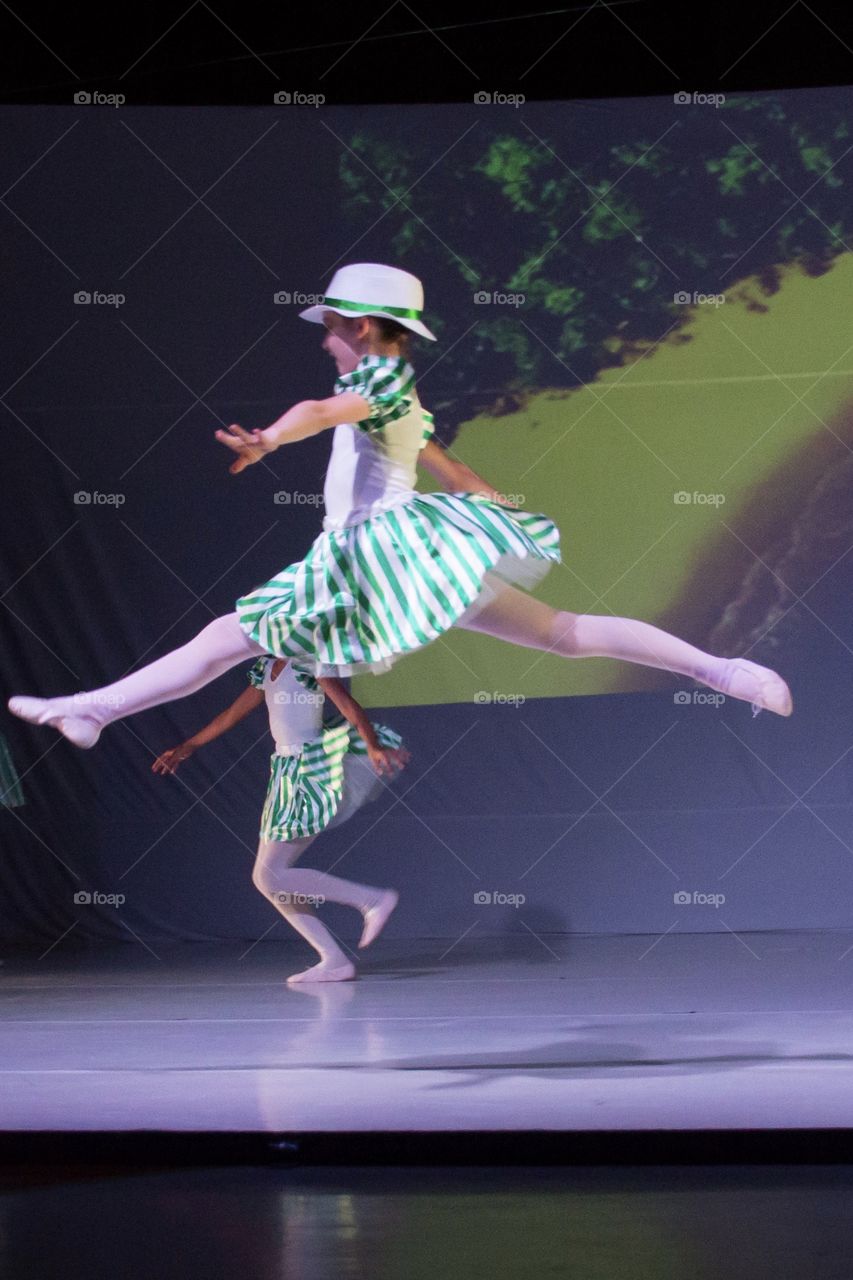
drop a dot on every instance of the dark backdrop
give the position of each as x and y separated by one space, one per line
596 810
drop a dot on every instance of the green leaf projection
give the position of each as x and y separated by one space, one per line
668 295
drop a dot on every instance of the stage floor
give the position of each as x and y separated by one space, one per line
689 1031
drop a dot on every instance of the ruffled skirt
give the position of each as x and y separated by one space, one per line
367 594
323 784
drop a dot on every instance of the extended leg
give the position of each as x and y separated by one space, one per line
523 620
81 716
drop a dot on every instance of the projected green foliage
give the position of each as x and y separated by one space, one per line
598 232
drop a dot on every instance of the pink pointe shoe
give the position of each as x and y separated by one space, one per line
750 682
81 730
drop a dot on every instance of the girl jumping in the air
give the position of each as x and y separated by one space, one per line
393 569
318 778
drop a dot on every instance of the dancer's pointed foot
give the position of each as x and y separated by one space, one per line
766 690
376 916
325 971
58 713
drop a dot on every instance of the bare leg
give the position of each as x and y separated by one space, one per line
523 620
81 716
291 891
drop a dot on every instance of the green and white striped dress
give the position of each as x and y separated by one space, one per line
393 569
328 779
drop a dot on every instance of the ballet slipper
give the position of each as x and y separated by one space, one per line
758 685
325 971
81 730
375 917
331 996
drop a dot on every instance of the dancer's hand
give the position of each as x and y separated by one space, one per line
250 445
169 760
389 760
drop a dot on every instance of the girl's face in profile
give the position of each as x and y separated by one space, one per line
343 341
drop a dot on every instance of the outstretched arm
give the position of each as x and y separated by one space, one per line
453 475
383 759
169 760
307 418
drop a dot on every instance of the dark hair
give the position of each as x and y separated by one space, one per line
392 331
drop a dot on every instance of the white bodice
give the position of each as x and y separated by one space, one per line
296 713
373 465
371 471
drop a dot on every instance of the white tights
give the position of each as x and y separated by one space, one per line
523 620
513 615
288 887
222 644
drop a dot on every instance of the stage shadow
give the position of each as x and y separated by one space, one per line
560 1061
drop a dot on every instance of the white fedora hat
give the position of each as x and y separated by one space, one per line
373 289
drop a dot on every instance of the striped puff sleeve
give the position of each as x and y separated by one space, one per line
304 677
256 673
388 387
